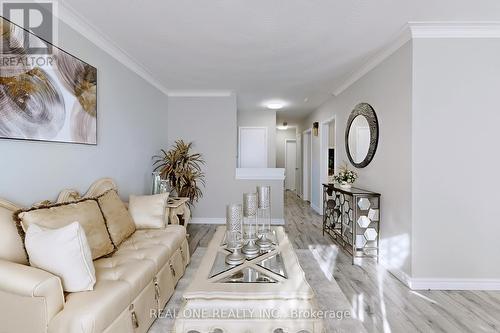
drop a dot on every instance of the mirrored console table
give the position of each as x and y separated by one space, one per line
352 218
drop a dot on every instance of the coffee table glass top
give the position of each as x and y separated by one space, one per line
269 260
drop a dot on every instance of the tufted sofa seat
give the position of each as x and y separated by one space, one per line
133 283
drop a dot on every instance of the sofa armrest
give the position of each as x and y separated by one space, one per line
30 297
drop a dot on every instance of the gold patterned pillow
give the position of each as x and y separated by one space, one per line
86 212
118 220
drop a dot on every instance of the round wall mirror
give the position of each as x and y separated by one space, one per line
361 135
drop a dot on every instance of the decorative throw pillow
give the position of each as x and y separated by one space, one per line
63 252
148 211
118 220
86 212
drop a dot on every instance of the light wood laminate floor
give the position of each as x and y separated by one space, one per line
380 300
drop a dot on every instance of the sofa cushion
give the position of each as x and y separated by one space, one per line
85 212
132 269
156 245
92 311
118 220
148 211
119 281
11 244
63 252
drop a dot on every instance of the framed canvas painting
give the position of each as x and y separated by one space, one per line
45 97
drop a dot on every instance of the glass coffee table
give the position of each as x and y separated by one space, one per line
270 260
263 294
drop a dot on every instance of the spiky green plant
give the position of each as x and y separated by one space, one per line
182 169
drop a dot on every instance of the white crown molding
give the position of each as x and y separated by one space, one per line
401 39
438 29
71 17
413 30
200 93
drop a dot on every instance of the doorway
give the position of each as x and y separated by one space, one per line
306 165
290 165
327 153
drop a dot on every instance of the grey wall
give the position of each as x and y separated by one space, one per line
388 89
210 122
262 118
131 117
281 137
455 153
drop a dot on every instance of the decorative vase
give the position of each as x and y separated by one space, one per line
250 225
345 185
264 217
234 234
163 186
156 183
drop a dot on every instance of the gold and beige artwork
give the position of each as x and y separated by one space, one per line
45 97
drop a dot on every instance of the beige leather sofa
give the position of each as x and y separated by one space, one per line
135 281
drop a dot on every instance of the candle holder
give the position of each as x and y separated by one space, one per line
234 234
250 224
155 189
264 217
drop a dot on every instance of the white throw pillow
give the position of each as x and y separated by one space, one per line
63 252
148 211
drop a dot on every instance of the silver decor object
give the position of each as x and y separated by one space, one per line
234 234
163 186
250 225
156 183
264 217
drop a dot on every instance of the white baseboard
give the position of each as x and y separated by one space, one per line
316 209
398 273
454 284
442 284
222 220
207 220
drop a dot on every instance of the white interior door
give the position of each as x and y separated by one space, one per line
306 166
290 164
252 148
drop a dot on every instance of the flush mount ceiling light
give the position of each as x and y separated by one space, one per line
275 105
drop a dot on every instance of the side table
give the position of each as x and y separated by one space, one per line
178 211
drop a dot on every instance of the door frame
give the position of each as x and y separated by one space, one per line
306 164
324 134
266 139
286 141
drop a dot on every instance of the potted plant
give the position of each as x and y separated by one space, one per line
345 177
182 169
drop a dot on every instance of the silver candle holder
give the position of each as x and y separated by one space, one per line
234 234
250 224
264 217
156 182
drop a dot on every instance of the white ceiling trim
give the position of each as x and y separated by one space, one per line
200 93
402 38
455 29
422 30
71 17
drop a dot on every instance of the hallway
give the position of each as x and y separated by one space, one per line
381 301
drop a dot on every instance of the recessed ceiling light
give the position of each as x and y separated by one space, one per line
275 106
306 99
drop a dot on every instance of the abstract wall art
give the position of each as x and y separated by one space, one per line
45 97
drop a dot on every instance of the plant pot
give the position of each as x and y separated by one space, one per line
346 186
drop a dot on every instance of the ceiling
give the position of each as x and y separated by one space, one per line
297 51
